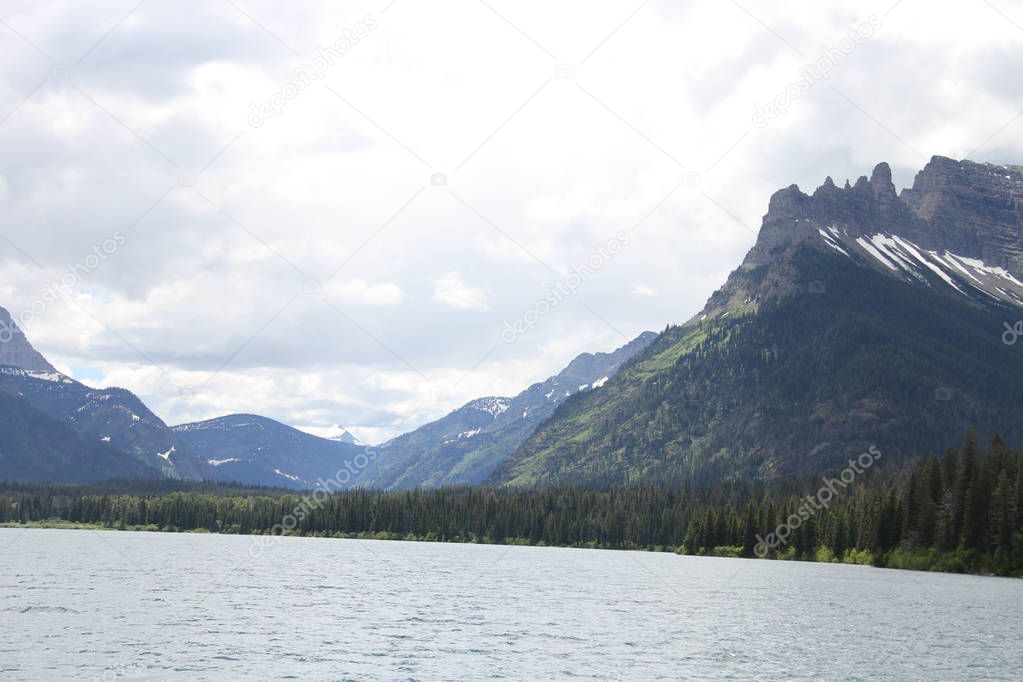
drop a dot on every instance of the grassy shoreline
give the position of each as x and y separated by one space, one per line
924 561
61 524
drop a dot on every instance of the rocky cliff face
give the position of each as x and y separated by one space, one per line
961 222
16 351
971 208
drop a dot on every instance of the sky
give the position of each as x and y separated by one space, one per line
366 214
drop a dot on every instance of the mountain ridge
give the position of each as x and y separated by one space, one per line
113 416
864 217
257 450
16 351
854 311
815 346
37 447
467 444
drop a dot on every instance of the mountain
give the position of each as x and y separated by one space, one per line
860 318
960 221
346 437
36 447
467 445
112 416
108 433
254 450
16 351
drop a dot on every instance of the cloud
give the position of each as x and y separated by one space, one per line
209 288
361 292
452 291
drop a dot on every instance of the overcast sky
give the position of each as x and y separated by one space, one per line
351 254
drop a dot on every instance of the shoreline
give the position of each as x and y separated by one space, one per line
57 524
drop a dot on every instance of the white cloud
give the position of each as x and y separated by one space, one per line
361 292
452 291
539 169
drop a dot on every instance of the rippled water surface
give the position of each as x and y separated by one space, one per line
109 605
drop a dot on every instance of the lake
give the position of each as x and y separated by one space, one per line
93 605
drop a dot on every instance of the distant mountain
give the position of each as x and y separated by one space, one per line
462 448
109 415
467 445
113 416
259 451
16 351
346 437
110 433
860 318
36 447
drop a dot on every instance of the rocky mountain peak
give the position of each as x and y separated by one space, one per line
971 208
882 185
968 208
16 351
972 211
881 177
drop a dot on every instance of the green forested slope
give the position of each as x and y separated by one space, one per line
793 384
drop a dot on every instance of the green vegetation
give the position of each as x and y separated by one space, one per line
796 387
959 513
641 518
962 512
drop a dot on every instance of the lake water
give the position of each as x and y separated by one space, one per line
118 606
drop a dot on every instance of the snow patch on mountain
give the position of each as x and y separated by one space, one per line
54 376
51 376
287 476
830 241
905 258
869 248
495 406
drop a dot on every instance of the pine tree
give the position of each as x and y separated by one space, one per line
1001 513
749 539
1018 504
963 483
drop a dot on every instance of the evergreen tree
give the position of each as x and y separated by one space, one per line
749 539
1001 514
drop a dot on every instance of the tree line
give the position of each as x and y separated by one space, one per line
962 511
